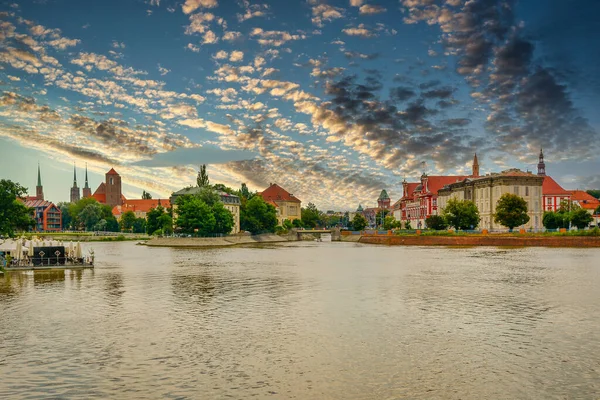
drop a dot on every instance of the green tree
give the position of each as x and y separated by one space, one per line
390 223
112 225
461 214
581 218
378 216
65 216
194 215
101 225
139 225
202 179
166 223
222 188
90 215
153 219
257 216
359 222
511 211
245 193
146 195
297 223
209 196
553 220
223 219
436 222
597 210
14 215
127 221
311 216
595 193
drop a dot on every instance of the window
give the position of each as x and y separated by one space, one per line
111 180
516 190
526 190
549 200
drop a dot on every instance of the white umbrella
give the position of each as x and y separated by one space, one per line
30 252
78 251
19 250
71 249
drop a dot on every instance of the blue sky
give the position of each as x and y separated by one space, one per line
333 100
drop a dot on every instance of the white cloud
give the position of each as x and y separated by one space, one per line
193 48
118 45
356 3
236 56
192 5
210 38
325 12
220 55
63 43
274 38
231 36
163 71
369 9
361 31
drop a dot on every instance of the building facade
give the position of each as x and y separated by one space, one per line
230 202
48 217
485 192
287 205
553 194
139 207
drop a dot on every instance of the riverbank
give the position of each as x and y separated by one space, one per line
88 237
215 242
482 240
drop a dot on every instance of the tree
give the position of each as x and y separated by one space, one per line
146 195
101 225
311 216
378 216
222 188
257 216
581 218
194 215
553 220
287 224
153 219
112 225
166 223
390 223
461 214
223 219
202 179
245 193
139 225
359 222
209 196
65 216
436 222
297 223
127 221
511 211
14 215
597 210
90 216
595 193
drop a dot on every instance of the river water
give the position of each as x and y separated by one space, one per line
306 321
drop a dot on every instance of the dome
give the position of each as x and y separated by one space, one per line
419 188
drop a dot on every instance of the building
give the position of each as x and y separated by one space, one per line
485 191
419 199
75 194
230 202
87 192
586 201
553 194
287 205
139 207
48 217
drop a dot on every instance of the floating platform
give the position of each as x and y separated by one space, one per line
48 267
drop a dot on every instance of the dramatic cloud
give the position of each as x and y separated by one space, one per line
369 9
192 5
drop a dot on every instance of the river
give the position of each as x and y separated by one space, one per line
306 321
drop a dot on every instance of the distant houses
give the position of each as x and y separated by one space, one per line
287 205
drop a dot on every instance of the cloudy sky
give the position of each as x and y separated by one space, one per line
334 99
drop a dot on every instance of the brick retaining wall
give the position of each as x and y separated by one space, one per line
551 241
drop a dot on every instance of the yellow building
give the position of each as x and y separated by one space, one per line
485 191
288 206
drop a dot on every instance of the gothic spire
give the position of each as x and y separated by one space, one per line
86 178
541 164
475 173
39 183
74 176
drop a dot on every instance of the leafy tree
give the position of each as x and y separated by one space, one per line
390 223
311 216
14 215
436 222
287 224
245 193
194 215
223 219
581 218
101 225
407 225
597 210
127 220
359 222
595 193
202 179
139 225
209 196
90 215
378 217
511 211
166 223
153 219
75 209
461 214
112 225
146 195
222 188
297 223
258 216
65 216
552 220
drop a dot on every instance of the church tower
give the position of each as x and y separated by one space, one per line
75 194
113 188
87 192
39 190
475 173
541 164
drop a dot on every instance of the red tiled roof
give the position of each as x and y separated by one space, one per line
100 197
142 205
101 189
551 187
436 182
581 195
276 192
112 172
271 202
35 203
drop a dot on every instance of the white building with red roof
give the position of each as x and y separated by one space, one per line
552 193
287 205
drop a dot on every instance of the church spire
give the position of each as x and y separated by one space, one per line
86 178
39 190
75 194
541 164
74 176
475 167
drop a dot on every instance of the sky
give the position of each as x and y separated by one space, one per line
333 100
